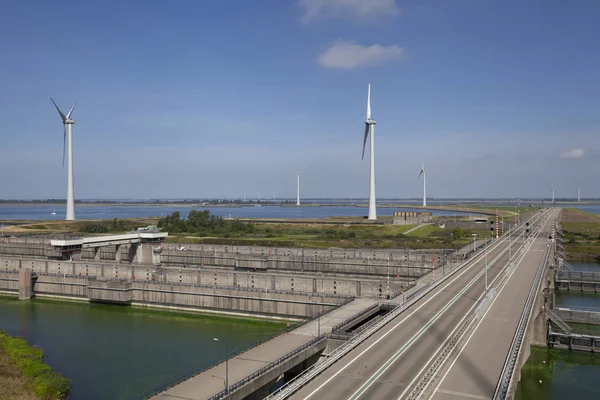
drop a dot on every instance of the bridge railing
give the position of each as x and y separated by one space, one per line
508 371
578 276
236 353
266 368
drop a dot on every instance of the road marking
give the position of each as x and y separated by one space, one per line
420 332
437 389
475 261
468 395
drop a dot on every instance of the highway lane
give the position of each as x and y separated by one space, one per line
384 365
476 370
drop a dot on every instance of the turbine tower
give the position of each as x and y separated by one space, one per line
552 187
68 138
370 126
578 194
424 173
297 188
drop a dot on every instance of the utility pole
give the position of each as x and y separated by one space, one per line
486 266
388 278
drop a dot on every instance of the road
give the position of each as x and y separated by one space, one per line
475 372
389 363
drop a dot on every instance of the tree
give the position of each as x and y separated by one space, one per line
457 233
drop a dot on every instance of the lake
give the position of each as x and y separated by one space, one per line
120 352
43 212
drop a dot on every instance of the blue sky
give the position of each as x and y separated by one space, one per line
220 98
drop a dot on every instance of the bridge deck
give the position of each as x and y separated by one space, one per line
475 372
211 381
388 364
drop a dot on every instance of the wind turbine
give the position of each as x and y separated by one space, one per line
297 188
68 138
552 187
370 126
578 194
424 173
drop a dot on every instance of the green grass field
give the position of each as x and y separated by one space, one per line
581 234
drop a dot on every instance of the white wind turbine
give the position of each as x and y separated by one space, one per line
578 194
552 187
424 173
297 188
370 126
68 138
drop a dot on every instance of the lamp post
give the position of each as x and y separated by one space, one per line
226 366
486 266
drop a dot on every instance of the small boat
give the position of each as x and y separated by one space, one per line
54 212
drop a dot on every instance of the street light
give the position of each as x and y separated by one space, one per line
486 266
226 366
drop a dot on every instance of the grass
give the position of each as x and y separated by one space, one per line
26 375
581 234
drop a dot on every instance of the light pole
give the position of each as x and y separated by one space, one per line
474 241
509 243
226 366
486 266
388 278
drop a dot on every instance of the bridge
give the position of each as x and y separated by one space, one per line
439 347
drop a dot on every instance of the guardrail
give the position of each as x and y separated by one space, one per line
579 276
313 371
508 371
264 369
354 317
240 351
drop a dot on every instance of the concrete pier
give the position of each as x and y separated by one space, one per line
25 284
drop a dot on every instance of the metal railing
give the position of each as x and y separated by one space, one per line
354 317
266 368
558 321
236 353
508 371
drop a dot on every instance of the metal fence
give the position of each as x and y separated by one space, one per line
240 351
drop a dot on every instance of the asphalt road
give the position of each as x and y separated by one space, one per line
476 370
387 365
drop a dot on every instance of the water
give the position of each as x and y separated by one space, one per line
115 352
564 374
43 212
591 208
577 300
584 266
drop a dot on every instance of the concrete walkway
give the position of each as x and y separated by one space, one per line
211 381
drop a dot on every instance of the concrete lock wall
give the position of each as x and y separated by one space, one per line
303 283
173 295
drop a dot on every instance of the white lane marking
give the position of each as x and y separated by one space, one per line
479 323
468 395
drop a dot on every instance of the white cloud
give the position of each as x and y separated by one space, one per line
348 55
573 153
350 9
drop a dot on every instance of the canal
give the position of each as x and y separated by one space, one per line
119 352
551 374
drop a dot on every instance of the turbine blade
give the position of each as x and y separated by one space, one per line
58 109
369 102
421 173
365 140
64 142
70 111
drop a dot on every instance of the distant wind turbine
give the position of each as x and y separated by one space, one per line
68 138
297 188
424 173
578 194
370 127
552 187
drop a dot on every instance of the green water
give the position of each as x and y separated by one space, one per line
564 374
118 352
